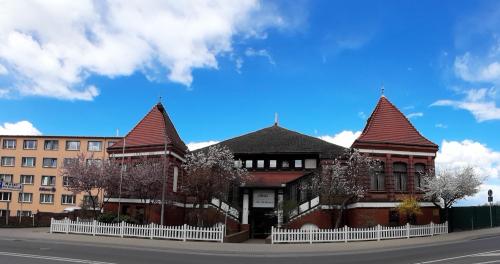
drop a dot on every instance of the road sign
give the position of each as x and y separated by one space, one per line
490 199
10 186
490 193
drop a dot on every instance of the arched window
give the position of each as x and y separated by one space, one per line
377 179
176 178
400 173
419 174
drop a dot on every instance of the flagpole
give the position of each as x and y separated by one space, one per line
121 180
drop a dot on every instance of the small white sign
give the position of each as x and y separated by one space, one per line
263 198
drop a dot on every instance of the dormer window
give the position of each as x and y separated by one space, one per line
248 164
260 164
272 164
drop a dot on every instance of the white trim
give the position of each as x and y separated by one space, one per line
397 152
384 205
150 153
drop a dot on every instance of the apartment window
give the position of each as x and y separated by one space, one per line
66 181
377 179
272 164
25 197
29 144
260 164
5 196
400 176
72 145
96 162
48 180
9 144
49 162
419 175
46 198
6 177
249 164
68 199
90 201
298 163
24 213
94 146
285 164
27 179
8 161
110 143
176 178
28 161
310 164
69 161
51 145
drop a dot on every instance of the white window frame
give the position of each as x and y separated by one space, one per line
44 201
24 195
93 149
65 201
237 163
6 145
65 181
260 164
5 164
53 146
5 175
52 164
297 164
25 164
273 164
30 140
68 144
249 164
50 181
24 176
25 213
5 196
285 164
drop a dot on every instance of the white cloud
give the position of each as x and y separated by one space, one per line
470 152
19 128
344 138
480 102
362 115
198 145
477 69
3 70
260 53
440 125
413 115
52 47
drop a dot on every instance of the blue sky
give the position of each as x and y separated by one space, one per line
224 70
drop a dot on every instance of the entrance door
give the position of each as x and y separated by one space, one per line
262 219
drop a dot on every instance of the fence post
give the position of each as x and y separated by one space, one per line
184 232
67 225
345 234
272 234
310 236
378 232
122 227
446 226
432 228
407 230
94 228
222 233
51 224
151 230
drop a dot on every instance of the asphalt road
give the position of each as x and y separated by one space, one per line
482 250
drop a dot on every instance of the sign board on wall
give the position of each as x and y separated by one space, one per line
263 199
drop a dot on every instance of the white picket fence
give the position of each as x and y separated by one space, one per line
183 232
346 233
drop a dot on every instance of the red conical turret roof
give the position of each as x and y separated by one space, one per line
387 125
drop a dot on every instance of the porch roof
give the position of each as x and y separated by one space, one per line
273 178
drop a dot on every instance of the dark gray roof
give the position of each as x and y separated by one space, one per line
278 140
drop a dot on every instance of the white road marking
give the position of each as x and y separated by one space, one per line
20 255
464 256
487 262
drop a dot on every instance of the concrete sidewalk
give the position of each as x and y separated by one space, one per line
33 234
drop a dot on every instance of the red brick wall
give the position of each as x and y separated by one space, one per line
321 218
